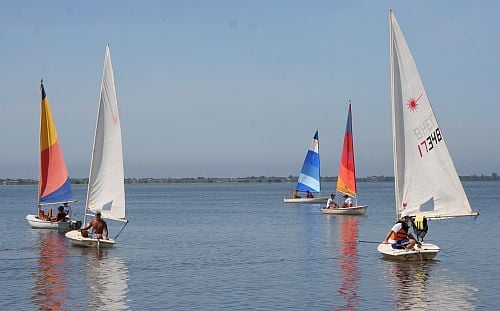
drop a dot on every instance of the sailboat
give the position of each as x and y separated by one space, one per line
346 181
106 189
426 183
54 187
309 178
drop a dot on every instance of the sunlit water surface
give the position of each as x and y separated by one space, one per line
238 247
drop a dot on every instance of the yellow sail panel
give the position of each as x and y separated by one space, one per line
48 133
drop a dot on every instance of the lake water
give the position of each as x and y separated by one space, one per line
238 247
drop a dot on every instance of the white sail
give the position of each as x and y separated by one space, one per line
426 181
106 190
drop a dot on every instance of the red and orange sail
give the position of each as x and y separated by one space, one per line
346 182
54 185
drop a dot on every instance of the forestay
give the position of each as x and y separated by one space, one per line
425 178
106 191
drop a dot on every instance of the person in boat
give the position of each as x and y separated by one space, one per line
41 215
295 195
347 201
309 195
98 225
67 210
331 202
399 235
60 216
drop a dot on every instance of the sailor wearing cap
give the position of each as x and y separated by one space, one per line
399 235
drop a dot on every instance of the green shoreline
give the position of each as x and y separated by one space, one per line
249 179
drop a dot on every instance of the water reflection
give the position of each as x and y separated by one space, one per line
348 261
420 286
50 288
106 278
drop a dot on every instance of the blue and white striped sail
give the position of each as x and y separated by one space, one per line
309 175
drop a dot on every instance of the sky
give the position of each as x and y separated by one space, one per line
238 88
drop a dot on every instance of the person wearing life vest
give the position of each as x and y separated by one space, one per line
399 235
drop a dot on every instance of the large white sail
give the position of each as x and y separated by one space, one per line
106 191
426 181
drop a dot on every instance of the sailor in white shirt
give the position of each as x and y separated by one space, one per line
331 202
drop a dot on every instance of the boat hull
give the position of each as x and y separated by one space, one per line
426 252
355 210
62 227
76 238
36 223
318 200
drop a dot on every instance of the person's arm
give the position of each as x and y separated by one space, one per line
386 240
394 228
87 227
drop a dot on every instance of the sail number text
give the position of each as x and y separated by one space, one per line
429 142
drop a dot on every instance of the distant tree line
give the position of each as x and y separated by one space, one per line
249 179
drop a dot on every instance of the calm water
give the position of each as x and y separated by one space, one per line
238 247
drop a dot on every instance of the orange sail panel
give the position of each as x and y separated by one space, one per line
346 182
54 185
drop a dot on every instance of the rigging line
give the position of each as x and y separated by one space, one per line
373 242
116 237
461 242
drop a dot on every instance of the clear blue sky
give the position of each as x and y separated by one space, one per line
237 88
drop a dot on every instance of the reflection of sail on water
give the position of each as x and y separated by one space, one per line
348 261
421 286
49 290
107 278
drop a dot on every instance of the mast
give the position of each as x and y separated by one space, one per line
319 163
39 148
393 106
353 158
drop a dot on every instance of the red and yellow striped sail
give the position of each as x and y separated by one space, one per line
54 185
346 182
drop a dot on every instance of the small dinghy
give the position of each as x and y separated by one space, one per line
426 182
106 189
425 251
346 181
309 178
77 239
54 187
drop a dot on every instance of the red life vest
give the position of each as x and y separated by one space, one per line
401 234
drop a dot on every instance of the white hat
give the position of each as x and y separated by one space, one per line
403 214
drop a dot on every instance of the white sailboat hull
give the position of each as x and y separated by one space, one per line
37 223
355 210
63 226
318 200
426 252
76 238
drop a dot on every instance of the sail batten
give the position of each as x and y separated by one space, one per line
106 190
309 178
426 181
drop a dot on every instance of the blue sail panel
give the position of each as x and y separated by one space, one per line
307 183
310 170
63 194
